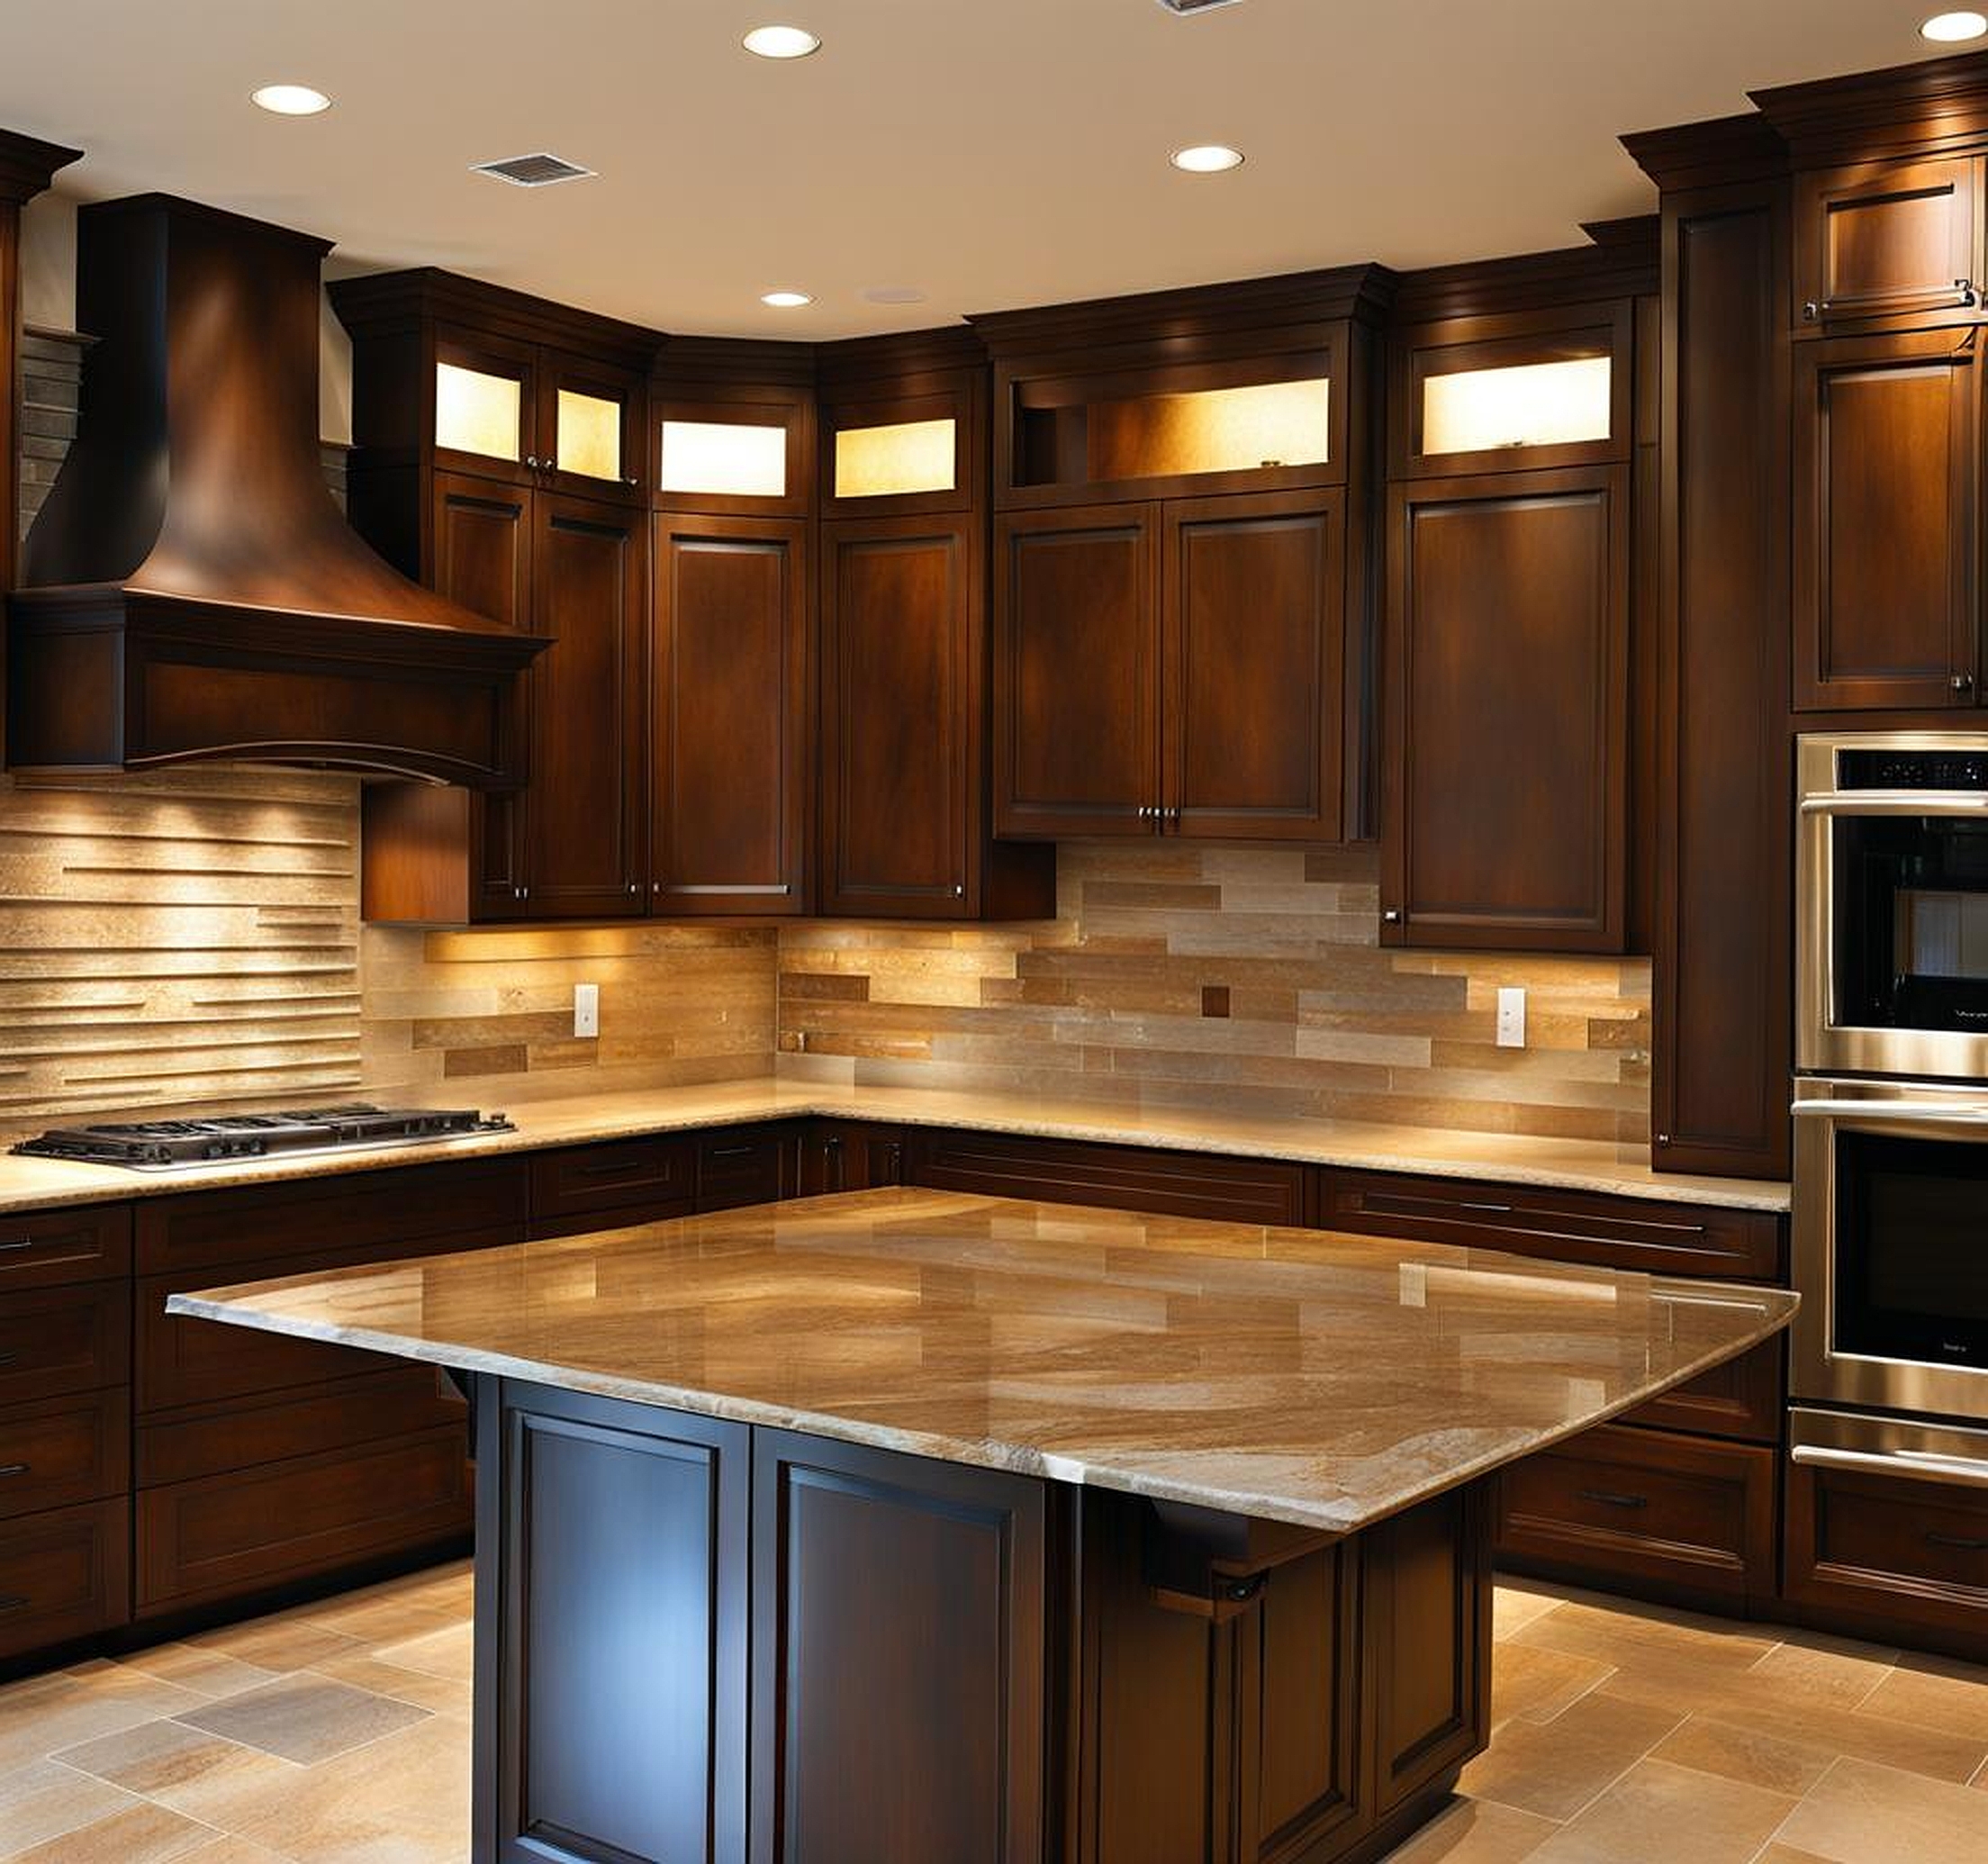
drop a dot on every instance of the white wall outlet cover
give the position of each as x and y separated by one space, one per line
586 1010
1511 1016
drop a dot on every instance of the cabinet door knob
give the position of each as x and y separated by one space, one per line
635 887
1962 682
959 892
1969 295
1391 915
1810 312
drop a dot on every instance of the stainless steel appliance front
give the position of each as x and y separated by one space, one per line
1892 904
1891 1245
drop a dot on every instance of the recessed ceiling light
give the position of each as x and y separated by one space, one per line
1208 158
1951 28
780 42
786 300
290 99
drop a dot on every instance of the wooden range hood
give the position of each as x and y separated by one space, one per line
190 589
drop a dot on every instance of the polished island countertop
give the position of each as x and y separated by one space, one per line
1307 1377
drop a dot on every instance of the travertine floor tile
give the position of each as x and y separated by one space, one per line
187 1769
304 1718
1861 1813
1476 1832
1642 1818
1931 1698
283 1643
1747 1755
206 1672
1778 1853
1528 1681
449 1654
1519 1604
1803 1673
56 1712
43 1799
141 1834
443 1695
1555 1769
228 1849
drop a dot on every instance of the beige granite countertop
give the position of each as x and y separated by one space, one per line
1574 1164
1298 1376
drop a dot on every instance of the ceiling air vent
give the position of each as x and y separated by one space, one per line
540 170
1184 7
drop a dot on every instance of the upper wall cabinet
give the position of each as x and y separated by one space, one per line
1542 388
1229 388
1896 241
732 429
903 427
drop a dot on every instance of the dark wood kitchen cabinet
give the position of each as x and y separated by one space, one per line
1174 668
27 165
845 1155
1887 493
902 799
1897 241
730 743
1505 820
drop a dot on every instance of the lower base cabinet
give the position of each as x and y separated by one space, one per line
64 1574
698 1641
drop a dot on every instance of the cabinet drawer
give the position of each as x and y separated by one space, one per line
63 1575
376 1213
739 1168
1898 1547
1613 1503
1569 1226
389 1404
1118 1177
41 1248
55 1339
653 1177
55 1453
183 1361
1742 1399
250 1528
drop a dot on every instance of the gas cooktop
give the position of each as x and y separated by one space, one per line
169 1145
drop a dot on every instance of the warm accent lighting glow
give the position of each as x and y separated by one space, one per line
712 456
589 434
1951 28
1534 404
786 300
1206 159
290 100
1212 431
911 456
780 42
476 413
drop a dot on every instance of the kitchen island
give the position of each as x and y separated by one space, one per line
905 1527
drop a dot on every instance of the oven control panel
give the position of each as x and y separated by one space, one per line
1949 770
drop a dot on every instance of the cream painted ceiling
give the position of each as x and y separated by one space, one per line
991 153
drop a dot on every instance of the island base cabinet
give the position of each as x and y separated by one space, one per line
701 1643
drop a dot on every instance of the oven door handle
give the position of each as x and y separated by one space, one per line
1897 802
1974 1113
1914 1465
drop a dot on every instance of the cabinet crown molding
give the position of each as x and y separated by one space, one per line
1722 149
1620 262
1938 106
28 164
384 301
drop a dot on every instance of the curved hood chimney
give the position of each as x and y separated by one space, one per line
191 588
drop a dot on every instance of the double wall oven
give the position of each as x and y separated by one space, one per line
1891 1131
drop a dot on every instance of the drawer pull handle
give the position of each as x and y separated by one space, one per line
16 1244
731 1152
1496 1209
621 1168
8 1357
14 1469
1609 1500
14 1602
1956 1540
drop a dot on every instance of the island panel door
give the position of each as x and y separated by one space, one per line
898 1686
611 1635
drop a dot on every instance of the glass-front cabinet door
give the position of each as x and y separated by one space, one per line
485 407
590 427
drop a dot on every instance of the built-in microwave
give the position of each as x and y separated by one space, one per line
1892 904
1891 1247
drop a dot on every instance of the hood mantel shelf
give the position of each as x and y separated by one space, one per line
193 590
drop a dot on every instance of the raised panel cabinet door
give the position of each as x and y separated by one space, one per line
1252 602
482 542
1887 239
898 1659
1887 479
902 644
728 716
1507 646
615 1648
1077 671
583 802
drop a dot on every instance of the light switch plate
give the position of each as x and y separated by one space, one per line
586 1010
1511 1016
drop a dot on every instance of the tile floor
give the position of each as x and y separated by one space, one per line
338 1733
